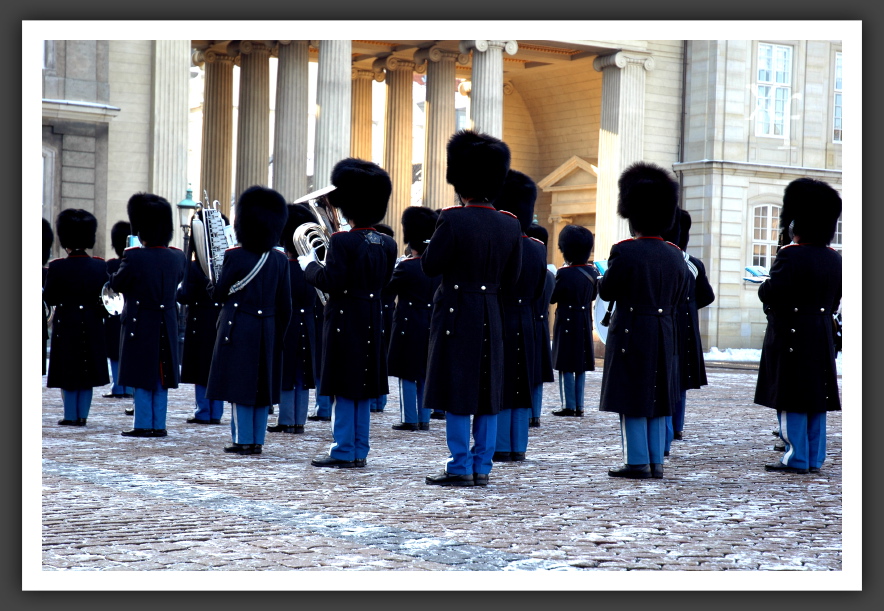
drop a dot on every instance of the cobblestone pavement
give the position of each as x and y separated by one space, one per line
111 503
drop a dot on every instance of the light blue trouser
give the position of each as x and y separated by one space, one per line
76 403
411 402
293 403
378 403
323 403
571 387
350 427
643 439
805 438
116 389
675 422
206 409
248 424
512 430
536 400
150 407
463 459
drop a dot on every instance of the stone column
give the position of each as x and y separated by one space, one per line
441 86
621 138
253 124
216 158
291 119
360 112
333 90
398 135
486 96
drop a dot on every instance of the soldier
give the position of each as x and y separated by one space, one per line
410 332
48 238
521 365
148 279
541 321
575 288
647 281
78 356
797 374
389 302
199 336
112 329
358 266
475 249
255 294
300 337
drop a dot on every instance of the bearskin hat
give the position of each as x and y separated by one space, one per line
576 242
260 217
76 229
150 217
517 196
418 225
477 165
680 232
298 214
648 198
48 239
120 233
362 191
538 232
814 206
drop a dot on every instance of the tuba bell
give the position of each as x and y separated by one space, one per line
113 301
310 237
211 237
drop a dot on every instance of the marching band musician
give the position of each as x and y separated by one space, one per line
199 335
148 278
255 291
521 365
797 374
475 249
48 239
300 338
389 302
120 233
573 353
647 280
541 322
413 291
358 265
78 356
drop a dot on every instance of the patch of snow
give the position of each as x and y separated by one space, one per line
747 355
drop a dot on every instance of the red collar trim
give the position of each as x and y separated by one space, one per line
480 206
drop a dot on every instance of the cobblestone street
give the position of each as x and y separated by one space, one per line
111 503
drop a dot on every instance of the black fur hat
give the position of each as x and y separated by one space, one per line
76 229
477 165
298 214
648 198
418 225
576 242
48 239
517 196
680 232
150 217
538 232
814 206
259 218
120 233
362 191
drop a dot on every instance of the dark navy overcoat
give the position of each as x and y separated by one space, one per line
251 328
112 327
647 280
358 266
148 278
201 326
410 331
542 330
474 249
797 372
300 338
691 366
572 347
78 355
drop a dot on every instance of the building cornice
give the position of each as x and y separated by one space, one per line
745 168
88 112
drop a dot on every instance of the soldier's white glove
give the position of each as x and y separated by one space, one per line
304 260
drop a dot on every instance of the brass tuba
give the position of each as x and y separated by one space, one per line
211 237
310 237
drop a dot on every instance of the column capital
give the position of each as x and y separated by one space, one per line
361 73
247 47
209 57
621 59
396 63
438 54
510 46
508 87
567 219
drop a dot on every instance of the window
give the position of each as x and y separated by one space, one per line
836 131
765 233
837 240
774 90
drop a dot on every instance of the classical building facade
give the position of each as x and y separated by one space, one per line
734 120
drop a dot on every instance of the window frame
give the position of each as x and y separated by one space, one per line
779 92
837 100
772 217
